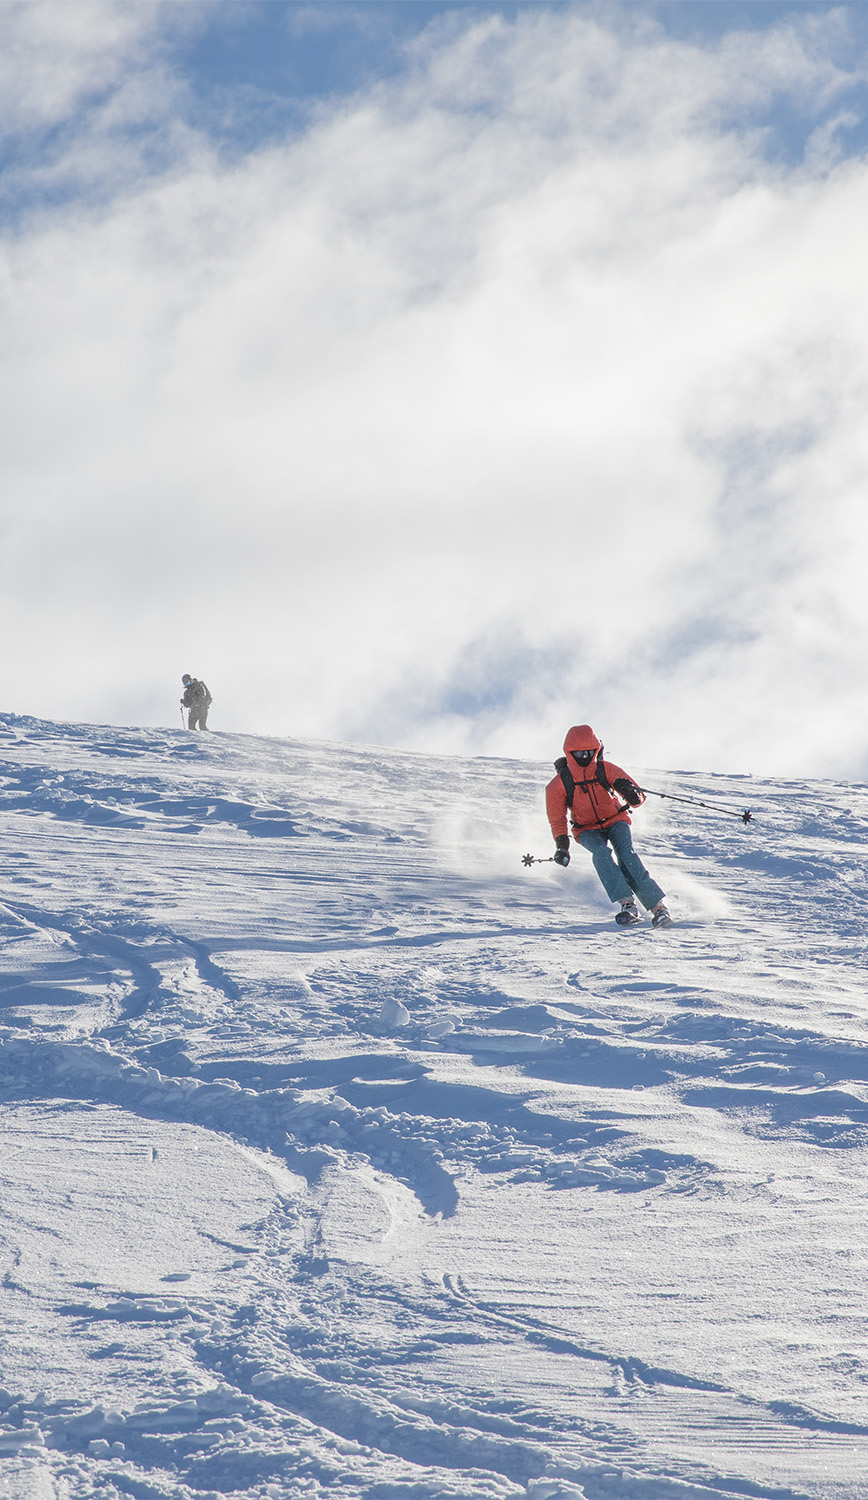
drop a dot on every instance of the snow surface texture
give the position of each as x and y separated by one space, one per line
341 1155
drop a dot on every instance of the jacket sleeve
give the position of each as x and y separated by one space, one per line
631 793
556 807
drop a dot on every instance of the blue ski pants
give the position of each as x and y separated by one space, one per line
624 874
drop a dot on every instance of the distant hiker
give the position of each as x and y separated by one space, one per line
198 700
589 788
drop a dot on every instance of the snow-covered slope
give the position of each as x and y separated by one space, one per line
341 1154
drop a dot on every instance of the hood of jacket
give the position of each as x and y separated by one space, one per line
581 737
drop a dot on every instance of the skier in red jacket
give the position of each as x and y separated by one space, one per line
593 793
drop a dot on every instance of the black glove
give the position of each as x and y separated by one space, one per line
628 790
562 849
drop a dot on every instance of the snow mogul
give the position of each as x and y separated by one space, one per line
587 789
197 700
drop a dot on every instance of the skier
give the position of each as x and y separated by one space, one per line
198 700
586 786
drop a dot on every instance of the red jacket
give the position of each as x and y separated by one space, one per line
594 804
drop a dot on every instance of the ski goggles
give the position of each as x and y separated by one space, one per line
583 757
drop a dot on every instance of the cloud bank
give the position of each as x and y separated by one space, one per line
523 387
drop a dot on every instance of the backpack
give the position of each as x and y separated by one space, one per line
562 767
196 694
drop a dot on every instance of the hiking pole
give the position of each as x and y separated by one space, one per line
533 859
745 816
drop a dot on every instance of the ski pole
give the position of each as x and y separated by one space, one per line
746 816
183 725
533 859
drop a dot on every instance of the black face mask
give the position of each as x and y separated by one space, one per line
583 757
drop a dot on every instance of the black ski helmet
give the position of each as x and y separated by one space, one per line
185 677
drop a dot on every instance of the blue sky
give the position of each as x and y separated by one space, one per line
252 72
303 51
440 375
287 58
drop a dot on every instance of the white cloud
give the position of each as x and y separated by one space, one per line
89 100
525 381
54 57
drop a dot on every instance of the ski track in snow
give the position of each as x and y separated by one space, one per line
341 1154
